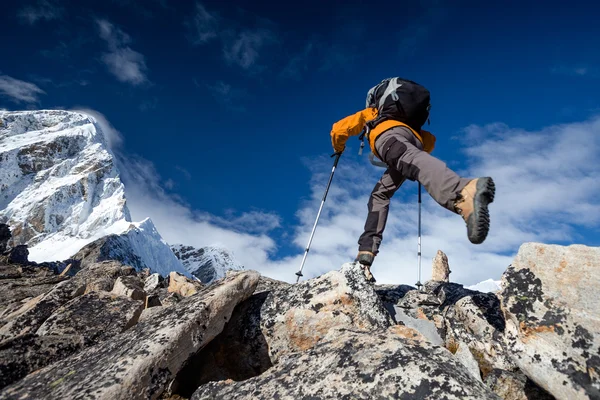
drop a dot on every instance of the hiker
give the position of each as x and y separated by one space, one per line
396 109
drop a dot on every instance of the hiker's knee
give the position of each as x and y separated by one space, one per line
393 151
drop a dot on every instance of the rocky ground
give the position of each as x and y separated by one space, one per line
101 330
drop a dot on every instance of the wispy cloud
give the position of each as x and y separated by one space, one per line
298 64
40 11
125 64
579 70
186 174
241 47
203 26
113 137
547 191
244 50
225 94
19 91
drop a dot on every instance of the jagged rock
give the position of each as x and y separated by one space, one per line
515 386
384 364
440 269
296 317
141 361
286 319
476 319
34 317
4 237
427 328
100 285
152 282
181 285
27 353
96 316
150 313
553 317
129 286
97 275
18 255
266 284
22 283
392 293
466 358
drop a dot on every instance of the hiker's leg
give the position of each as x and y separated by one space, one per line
401 150
378 206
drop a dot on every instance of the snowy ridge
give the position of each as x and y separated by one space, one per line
208 263
486 286
60 189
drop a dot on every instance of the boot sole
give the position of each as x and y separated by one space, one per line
479 221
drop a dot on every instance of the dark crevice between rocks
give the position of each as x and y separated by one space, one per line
238 353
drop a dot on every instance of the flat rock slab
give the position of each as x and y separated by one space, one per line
96 316
25 354
553 317
397 363
139 363
34 317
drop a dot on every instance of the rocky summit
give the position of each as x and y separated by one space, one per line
106 330
95 306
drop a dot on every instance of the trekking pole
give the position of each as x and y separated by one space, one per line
337 158
419 284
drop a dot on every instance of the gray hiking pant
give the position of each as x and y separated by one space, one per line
403 153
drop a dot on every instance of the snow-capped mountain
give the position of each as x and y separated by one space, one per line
486 286
208 263
60 190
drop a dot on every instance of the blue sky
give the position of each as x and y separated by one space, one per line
223 110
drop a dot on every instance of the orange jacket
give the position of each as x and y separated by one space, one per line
353 125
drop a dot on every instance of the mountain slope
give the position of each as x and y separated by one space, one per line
208 263
60 189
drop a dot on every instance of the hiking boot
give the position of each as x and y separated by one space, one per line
472 204
365 259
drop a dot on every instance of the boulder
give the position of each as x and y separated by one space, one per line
552 306
27 353
4 237
440 270
130 286
96 316
396 363
18 255
515 386
152 282
140 362
286 319
30 320
182 285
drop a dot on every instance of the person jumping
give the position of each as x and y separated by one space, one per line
396 109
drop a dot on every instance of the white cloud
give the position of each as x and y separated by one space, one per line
126 64
113 137
245 49
19 91
547 191
203 26
42 10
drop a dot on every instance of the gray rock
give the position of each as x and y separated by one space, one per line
27 353
466 358
440 270
382 364
515 386
139 363
4 237
424 326
34 317
152 282
553 317
96 316
109 248
18 255
129 286
296 317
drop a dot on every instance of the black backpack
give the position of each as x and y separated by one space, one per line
400 100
